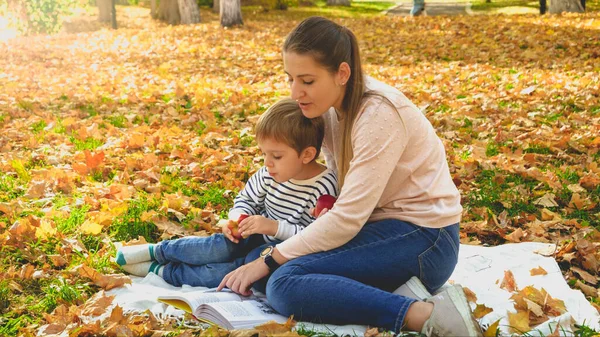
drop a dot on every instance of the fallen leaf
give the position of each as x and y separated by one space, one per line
538 271
471 297
508 282
519 322
97 305
547 200
481 310
587 277
587 290
492 330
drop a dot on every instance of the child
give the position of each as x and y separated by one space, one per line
279 199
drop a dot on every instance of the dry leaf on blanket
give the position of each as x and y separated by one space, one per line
481 310
508 282
519 322
471 297
538 271
492 330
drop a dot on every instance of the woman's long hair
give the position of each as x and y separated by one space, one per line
331 44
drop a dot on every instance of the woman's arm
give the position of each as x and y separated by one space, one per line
379 138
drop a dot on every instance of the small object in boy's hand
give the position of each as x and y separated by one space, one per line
324 201
233 227
242 217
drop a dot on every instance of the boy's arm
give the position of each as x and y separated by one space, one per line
251 199
286 230
325 185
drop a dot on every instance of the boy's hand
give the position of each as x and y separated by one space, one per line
226 231
258 224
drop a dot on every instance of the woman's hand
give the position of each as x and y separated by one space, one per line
323 211
258 224
240 280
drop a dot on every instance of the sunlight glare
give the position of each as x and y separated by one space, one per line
6 32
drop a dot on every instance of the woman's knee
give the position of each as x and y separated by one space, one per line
279 288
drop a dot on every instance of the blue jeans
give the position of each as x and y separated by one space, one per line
203 261
353 284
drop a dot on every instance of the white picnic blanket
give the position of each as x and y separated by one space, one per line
481 269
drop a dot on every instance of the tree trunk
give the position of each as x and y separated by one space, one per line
168 11
543 6
338 2
153 9
216 7
231 13
188 11
559 6
113 14
104 10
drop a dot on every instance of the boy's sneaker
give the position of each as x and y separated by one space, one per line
451 315
413 288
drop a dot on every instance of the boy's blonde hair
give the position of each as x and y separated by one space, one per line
284 122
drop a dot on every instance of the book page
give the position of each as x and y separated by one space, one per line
191 300
244 314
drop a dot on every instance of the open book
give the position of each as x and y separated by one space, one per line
225 308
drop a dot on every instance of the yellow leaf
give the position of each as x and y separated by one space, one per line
481 310
519 322
45 230
492 330
91 227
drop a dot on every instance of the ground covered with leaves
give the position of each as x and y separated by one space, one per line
146 131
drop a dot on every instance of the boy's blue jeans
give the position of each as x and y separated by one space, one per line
352 284
203 261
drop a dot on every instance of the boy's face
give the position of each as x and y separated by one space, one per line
281 160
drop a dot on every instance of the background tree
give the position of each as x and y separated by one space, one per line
177 12
188 11
338 2
573 6
231 13
104 10
216 7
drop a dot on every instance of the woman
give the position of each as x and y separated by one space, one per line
396 219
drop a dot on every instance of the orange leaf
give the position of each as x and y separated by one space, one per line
92 161
538 271
508 282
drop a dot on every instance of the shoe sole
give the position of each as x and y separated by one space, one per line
457 294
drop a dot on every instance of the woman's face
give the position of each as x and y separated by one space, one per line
313 86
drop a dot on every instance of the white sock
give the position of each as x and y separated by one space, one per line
143 268
135 254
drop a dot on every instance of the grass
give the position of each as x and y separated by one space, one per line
130 225
73 221
89 143
10 187
502 191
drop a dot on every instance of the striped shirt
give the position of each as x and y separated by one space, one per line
289 202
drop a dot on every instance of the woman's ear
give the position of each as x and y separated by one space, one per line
308 154
343 73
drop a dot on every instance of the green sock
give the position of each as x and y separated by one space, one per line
143 268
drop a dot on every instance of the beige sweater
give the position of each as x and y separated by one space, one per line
399 171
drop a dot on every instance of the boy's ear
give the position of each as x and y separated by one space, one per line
308 154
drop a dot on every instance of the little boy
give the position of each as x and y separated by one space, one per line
279 199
